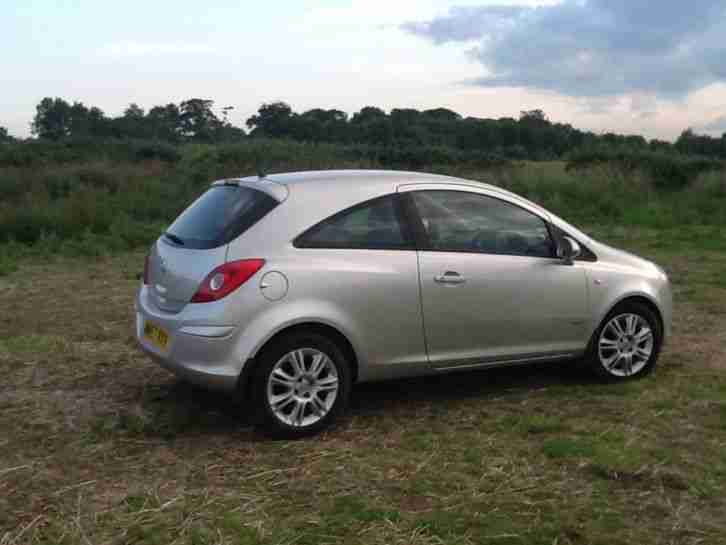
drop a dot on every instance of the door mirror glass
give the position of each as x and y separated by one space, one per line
568 249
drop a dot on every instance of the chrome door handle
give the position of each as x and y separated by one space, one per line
450 277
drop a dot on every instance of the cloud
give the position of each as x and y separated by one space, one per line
717 126
591 48
143 49
466 23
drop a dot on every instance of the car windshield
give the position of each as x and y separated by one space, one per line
220 215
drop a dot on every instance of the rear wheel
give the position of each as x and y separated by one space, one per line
627 343
301 385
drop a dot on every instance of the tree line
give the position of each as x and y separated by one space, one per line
529 136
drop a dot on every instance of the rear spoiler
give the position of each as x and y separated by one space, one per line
276 190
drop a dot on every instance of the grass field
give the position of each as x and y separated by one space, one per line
98 445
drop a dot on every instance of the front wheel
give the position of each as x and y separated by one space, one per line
627 343
301 385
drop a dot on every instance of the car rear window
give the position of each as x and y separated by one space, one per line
219 216
372 225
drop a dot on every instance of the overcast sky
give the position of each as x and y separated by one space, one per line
635 66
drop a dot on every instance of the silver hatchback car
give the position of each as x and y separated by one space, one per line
292 287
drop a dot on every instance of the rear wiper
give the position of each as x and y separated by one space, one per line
174 238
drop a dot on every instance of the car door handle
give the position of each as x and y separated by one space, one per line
450 277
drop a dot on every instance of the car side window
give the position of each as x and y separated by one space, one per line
460 221
371 225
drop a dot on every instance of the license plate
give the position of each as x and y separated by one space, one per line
156 335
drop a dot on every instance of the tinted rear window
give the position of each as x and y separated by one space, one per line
372 225
219 216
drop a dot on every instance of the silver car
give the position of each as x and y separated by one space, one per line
290 288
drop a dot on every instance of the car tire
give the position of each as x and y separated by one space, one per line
292 397
627 343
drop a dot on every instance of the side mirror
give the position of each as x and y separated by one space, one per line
568 249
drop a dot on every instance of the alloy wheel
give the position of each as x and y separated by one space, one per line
625 345
302 387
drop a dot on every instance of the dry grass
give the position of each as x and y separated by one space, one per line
98 445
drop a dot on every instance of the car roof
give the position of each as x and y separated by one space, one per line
368 177
337 182
360 175
385 178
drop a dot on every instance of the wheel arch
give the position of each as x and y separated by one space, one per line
333 333
638 297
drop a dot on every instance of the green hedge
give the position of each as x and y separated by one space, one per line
116 198
668 171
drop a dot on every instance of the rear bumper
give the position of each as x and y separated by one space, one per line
212 379
201 355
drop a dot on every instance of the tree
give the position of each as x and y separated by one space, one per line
78 120
52 119
273 120
659 145
442 114
164 122
508 132
88 122
405 132
442 126
4 136
198 121
635 141
319 125
134 111
405 116
132 124
369 114
536 118
700 144
56 119
684 144
326 116
406 125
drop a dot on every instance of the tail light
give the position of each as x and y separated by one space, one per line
146 270
225 279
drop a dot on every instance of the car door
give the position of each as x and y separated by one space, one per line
492 289
361 265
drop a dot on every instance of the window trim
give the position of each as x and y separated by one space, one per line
409 243
423 243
